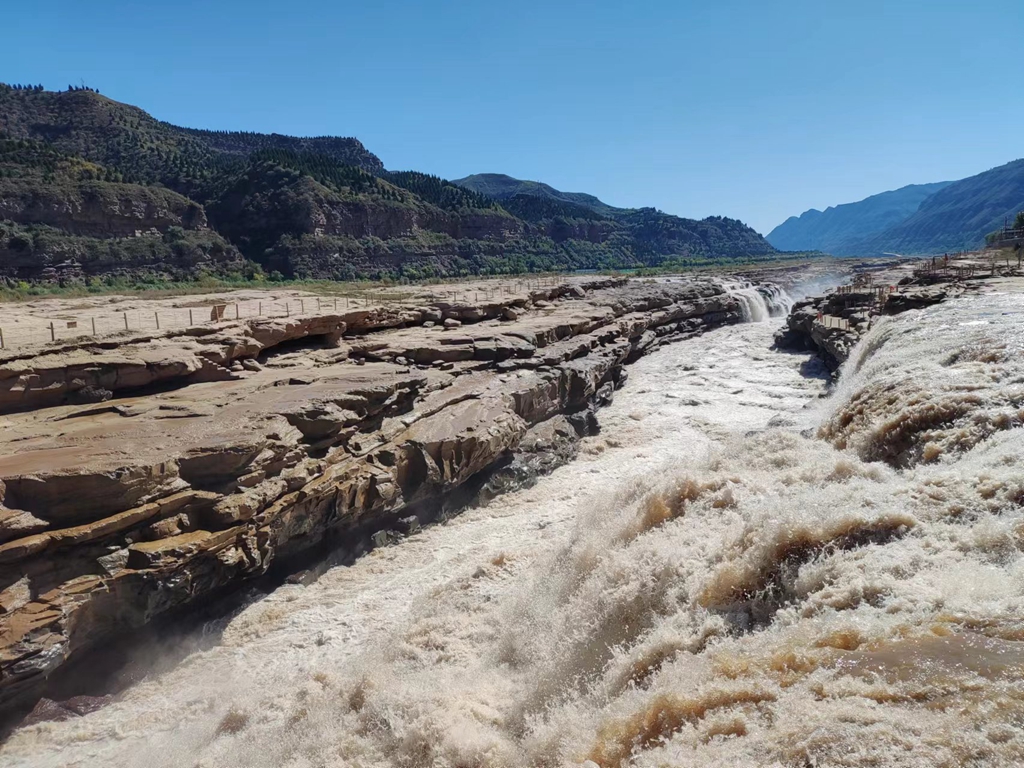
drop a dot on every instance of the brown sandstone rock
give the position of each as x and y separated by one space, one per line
116 513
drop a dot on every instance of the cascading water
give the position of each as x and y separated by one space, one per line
727 576
760 302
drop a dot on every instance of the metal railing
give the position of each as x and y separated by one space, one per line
832 321
102 323
880 292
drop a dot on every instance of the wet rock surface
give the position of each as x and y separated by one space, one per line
219 454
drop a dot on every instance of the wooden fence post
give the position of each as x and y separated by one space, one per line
236 310
2 339
191 320
156 315
94 326
302 306
126 321
261 309
287 309
53 332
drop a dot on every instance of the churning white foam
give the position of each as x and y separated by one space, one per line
760 302
711 583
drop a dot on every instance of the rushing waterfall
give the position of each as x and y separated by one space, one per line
761 302
725 577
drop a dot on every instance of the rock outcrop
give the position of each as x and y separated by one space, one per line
811 325
832 324
207 457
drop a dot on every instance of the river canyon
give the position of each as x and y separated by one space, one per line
745 565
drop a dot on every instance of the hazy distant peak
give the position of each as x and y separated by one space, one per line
841 229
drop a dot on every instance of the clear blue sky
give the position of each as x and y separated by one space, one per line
745 108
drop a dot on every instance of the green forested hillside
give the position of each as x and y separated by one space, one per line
90 185
650 235
60 210
439 192
142 148
502 187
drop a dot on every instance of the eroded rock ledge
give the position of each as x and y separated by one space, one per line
832 324
196 460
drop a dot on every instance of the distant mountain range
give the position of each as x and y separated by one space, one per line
90 187
920 219
841 228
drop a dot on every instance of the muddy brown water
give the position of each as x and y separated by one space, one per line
715 581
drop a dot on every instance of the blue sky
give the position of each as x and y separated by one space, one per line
751 109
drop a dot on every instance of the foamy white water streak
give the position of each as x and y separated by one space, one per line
761 302
714 582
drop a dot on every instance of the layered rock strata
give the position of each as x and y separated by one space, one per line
99 209
832 324
145 475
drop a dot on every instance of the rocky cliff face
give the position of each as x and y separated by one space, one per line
307 207
98 209
362 219
594 231
154 473
387 221
488 225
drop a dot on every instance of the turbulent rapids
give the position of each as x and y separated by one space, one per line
736 571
